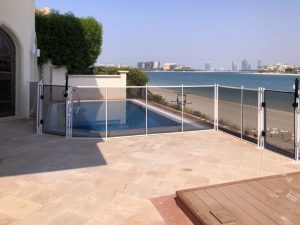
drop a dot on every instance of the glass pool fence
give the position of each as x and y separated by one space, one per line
264 117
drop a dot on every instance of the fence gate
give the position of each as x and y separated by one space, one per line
54 110
280 122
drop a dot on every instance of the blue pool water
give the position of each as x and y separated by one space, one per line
122 115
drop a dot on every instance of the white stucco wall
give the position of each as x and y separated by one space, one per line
56 76
17 18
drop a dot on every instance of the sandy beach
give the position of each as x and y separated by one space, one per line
231 112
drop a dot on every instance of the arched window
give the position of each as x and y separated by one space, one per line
7 75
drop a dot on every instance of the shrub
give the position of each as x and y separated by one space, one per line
135 76
68 41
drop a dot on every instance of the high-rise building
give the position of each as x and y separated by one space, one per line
245 65
169 66
156 65
141 65
258 64
207 67
234 66
149 66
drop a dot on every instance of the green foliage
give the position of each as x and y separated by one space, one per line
135 77
291 70
68 41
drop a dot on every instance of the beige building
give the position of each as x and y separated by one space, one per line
17 57
18 62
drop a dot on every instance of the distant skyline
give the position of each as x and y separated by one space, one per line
193 32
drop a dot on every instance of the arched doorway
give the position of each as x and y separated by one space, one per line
7 75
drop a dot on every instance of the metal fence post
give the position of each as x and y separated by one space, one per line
258 116
182 108
261 118
216 108
69 113
242 110
106 116
39 108
146 109
297 128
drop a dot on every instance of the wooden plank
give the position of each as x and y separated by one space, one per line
233 208
290 194
273 200
284 212
198 208
240 181
260 205
290 181
249 209
276 197
213 204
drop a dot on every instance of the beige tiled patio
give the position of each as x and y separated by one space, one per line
49 180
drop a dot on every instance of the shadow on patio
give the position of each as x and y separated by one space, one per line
22 152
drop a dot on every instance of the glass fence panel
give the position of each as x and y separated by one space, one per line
230 110
198 108
250 115
89 112
54 110
33 99
279 122
164 110
126 109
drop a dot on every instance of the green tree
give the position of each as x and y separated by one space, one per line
68 41
135 77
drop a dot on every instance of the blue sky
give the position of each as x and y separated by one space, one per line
193 32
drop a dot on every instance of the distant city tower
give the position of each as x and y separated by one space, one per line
207 67
245 65
259 64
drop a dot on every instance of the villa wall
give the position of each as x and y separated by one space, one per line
92 87
18 21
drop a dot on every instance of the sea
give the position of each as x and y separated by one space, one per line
234 79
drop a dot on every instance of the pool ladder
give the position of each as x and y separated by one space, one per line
75 93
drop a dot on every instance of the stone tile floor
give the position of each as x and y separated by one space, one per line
48 180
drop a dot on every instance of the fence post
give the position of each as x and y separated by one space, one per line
261 118
69 113
297 133
296 119
106 116
39 108
146 109
216 108
242 110
182 108
258 116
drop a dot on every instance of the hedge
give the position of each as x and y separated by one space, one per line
68 41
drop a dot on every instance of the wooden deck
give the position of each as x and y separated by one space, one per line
269 200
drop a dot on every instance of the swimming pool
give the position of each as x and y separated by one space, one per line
123 118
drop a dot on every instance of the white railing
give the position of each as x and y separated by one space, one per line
181 101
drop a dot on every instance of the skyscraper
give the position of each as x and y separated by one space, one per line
156 65
141 65
234 66
245 65
207 67
258 64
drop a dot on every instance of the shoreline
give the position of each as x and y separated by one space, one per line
239 72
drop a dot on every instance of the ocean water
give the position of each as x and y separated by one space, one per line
235 79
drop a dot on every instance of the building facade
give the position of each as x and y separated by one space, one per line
207 67
18 57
